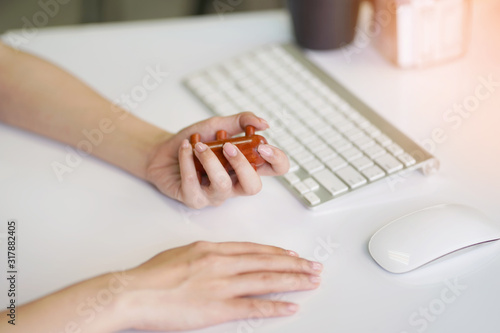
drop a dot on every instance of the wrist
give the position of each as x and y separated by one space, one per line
132 145
112 303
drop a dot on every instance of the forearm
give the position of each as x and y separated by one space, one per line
93 305
40 97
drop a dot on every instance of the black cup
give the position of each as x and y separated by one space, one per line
324 24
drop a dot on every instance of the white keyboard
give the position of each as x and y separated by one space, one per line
335 142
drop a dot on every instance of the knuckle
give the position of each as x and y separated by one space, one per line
201 246
266 277
206 155
261 309
214 121
266 260
303 265
191 179
196 202
223 183
255 188
295 281
247 113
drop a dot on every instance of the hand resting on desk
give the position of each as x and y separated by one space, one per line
189 287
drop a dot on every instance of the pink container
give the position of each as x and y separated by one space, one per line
420 33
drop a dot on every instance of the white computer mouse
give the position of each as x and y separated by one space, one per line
425 235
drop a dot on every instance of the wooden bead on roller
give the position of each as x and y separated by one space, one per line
246 144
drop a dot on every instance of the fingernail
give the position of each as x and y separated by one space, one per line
315 279
265 150
263 121
185 144
230 149
292 253
291 308
200 147
317 266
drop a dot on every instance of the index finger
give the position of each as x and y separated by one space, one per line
237 123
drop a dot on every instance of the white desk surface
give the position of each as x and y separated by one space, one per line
100 218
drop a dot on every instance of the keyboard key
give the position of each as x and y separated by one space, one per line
301 188
323 129
313 166
302 132
277 131
330 182
335 118
350 176
362 163
311 138
336 163
373 173
286 140
298 128
198 81
331 136
383 139
267 101
255 91
407 159
389 163
351 154
333 97
314 121
293 166
278 90
312 198
311 183
316 103
364 125
307 95
303 156
344 125
317 146
293 150
292 178
350 113
374 151
394 149
363 141
341 145
343 106
206 90
325 111
287 98
291 146
331 115
372 131
353 133
361 121
326 154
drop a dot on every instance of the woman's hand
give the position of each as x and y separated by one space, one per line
205 283
172 169
184 288
71 112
